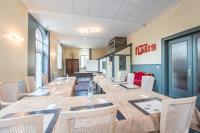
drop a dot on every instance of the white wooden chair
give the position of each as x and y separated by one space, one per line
176 115
8 92
130 78
30 83
45 79
99 120
147 83
25 124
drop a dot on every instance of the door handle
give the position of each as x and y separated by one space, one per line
189 72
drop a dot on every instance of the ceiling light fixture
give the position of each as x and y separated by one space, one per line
89 30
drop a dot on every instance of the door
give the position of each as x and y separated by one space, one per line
69 67
196 67
75 66
180 67
72 66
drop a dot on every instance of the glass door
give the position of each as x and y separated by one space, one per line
180 67
196 67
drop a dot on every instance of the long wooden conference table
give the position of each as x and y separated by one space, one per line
135 121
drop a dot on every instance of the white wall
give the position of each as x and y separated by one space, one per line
13 54
125 51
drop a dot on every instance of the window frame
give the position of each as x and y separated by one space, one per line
86 55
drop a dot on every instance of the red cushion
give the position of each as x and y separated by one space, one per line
138 77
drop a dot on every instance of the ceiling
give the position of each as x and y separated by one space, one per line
114 17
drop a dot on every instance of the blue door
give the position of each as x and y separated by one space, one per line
196 67
180 67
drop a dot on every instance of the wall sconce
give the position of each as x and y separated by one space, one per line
53 54
16 37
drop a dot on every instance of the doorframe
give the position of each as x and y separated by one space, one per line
165 56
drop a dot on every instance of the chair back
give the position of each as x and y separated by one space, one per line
25 124
130 78
147 82
8 91
30 83
99 120
176 115
45 80
21 86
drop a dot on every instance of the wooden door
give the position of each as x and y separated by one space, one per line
72 66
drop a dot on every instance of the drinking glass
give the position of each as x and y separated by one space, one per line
90 92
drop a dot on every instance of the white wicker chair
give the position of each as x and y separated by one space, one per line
21 86
176 115
45 79
30 83
8 92
25 124
99 120
147 83
130 78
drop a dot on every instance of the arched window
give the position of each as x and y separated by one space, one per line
39 55
84 56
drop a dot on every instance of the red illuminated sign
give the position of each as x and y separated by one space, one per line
139 50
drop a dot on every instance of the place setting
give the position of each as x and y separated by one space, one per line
100 104
148 106
50 116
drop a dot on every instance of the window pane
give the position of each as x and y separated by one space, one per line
122 62
82 61
59 57
179 65
38 35
38 70
84 56
39 53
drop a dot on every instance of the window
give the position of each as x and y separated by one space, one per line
39 55
122 62
42 56
59 57
101 65
84 56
